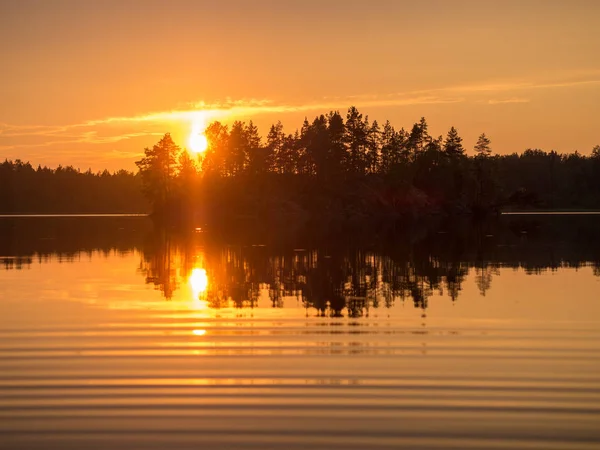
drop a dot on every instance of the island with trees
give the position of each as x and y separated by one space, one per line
335 170
331 171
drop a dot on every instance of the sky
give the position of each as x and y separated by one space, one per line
91 83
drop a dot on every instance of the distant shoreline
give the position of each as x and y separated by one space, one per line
9 216
550 213
101 215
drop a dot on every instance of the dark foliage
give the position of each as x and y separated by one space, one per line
24 190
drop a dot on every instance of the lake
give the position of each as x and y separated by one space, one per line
430 336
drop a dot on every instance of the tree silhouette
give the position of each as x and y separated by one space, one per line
26 190
373 145
336 156
453 143
237 150
259 159
275 148
418 137
158 170
214 160
356 138
485 192
482 147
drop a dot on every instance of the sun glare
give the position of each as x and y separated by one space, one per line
197 139
198 143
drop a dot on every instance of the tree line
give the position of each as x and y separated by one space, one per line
333 169
351 168
25 189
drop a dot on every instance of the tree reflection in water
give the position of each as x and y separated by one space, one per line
345 277
330 273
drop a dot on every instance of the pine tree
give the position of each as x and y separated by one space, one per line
485 195
482 147
213 160
373 145
158 170
387 141
186 178
317 140
275 140
236 158
419 137
255 154
356 137
453 144
302 163
336 130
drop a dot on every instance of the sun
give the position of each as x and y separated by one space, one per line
198 142
197 139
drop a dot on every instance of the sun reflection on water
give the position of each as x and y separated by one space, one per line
198 281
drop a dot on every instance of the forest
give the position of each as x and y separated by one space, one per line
335 170
66 190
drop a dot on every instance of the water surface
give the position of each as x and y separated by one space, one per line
115 335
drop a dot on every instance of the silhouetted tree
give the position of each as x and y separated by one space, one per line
388 142
337 155
356 138
260 160
275 147
24 189
484 173
418 138
214 161
237 150
316 144
158 171
453 143
373 145
187 181
482 147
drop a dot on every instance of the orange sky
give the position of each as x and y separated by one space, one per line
92 83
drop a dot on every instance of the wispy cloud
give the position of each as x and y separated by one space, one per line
503 101
518 86
118 128
111 130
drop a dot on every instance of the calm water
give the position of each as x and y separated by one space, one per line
454 336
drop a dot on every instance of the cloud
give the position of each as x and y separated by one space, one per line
518 86
119 128
195 115
508 100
